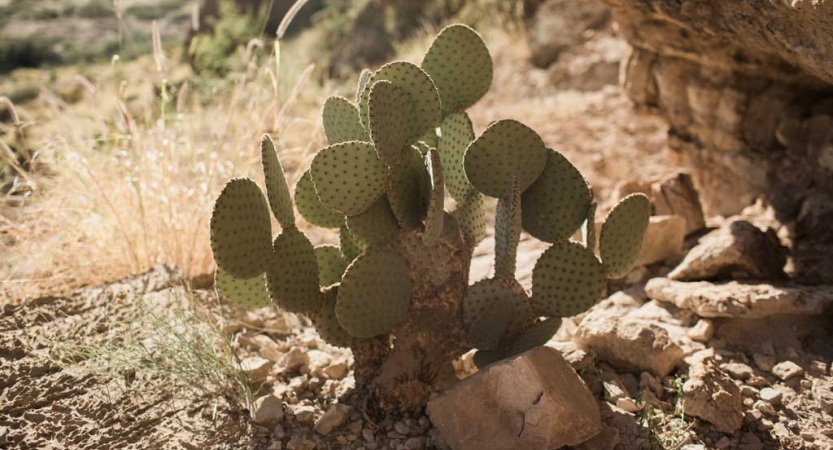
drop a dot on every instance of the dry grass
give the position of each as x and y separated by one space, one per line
138 168
178 341
138 164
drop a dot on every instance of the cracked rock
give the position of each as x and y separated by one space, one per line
534 401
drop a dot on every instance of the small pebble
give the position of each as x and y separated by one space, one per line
771 395
786 370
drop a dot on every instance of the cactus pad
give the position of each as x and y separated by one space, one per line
310 206
331 264
567 279
364 77
434 216
535 336
461 67
413 80
403 188
555 206
351 248
588 229
622 234
241 229
507 148
456 135
488 330
485 295
507 232
326 323
430 139
246 293
375 293
348 177
277 190
341 121
292 277
391 114
376 226
471 218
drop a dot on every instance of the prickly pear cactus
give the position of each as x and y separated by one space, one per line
397 288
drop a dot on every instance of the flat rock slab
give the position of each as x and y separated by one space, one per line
635 336
535 401
741 300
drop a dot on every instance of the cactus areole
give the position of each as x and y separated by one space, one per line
396 291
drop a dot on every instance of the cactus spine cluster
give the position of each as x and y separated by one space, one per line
394 157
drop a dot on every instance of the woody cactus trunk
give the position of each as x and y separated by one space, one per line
397 289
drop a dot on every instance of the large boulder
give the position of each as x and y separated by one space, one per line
736 250
747 89
535 401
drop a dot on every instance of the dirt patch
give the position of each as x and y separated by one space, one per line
47 404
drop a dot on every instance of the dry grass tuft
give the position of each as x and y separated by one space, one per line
138 164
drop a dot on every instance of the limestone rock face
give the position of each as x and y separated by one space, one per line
747 89
535 401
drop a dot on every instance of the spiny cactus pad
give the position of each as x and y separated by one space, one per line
241 229
310 206
430 139
375 293
341 121
331 264
507 232
277 190
461 67
326 323
403 188
417 83
622 234
364 78
588 229
487 332
292 277
456 135
348 177
535 336
391 115
555 206
485 295
246 293
376 226
471 218
435 214
567 279
507 148
351 247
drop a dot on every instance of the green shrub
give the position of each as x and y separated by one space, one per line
30 53
215 53
96 9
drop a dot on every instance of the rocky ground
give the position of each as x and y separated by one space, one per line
706 345
673 362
